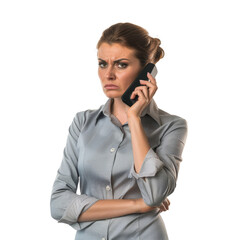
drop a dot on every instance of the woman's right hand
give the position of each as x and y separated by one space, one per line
143 207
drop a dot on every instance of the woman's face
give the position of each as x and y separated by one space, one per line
118 67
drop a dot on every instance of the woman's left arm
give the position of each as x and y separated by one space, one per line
155 170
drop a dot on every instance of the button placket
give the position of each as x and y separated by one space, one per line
108 187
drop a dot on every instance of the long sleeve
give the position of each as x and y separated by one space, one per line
158 174
65 204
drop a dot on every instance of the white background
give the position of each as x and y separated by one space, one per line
48 72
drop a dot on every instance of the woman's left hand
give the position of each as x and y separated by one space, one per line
145 94
164 205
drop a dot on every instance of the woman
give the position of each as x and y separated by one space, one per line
127 158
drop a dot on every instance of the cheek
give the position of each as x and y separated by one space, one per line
129 77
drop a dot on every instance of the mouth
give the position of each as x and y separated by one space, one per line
110 86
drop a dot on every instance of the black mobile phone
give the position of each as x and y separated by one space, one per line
151 68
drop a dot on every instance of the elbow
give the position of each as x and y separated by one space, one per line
155 202
55 208
55 214
155 196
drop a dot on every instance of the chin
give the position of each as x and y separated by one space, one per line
113 94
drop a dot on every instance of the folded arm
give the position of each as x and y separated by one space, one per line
79 210
156 170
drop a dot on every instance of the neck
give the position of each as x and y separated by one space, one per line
119 109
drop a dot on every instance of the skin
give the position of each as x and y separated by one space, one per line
118 66
113 70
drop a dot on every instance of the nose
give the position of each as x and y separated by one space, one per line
110 73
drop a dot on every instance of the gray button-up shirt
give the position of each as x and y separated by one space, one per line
99 152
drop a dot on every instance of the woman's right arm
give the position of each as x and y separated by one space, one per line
71 208
104 209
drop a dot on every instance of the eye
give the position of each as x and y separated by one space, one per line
102 64
122 65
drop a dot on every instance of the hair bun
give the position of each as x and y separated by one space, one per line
156 51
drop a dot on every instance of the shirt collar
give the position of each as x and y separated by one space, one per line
151 110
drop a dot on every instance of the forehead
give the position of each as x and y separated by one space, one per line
115 51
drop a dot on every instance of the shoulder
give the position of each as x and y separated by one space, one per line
173 125
168 118
163 117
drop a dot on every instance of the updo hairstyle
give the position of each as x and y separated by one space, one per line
147 49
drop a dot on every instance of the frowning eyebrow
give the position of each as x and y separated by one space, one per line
116 61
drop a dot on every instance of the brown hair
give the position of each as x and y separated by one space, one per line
147 49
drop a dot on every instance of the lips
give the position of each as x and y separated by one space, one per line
110 86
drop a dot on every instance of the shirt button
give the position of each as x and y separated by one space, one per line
108 188
112 149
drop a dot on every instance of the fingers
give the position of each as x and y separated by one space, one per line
147 83
151 78
145 94
142 92
148 89
162 208
151 85
164 205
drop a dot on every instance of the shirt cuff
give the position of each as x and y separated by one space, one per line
151 165
80 204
